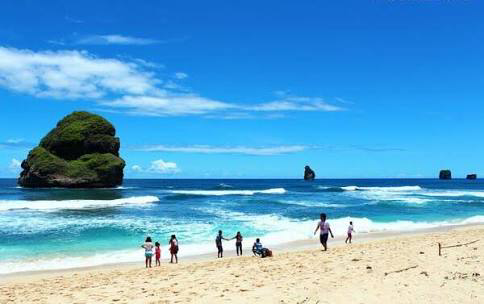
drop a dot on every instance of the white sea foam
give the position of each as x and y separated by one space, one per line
6 205
229 192
278 230
453 193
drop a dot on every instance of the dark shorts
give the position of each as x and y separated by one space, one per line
220 248
323 238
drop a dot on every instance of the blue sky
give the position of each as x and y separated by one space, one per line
253 89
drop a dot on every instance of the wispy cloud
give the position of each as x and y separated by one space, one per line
116 39
181 75
72 19
15 143
130 86
377 148
205 149
15 165
158 166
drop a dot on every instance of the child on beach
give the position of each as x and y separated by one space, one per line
238 242
148 246
324 228
173 248
218 243
157 254
350 233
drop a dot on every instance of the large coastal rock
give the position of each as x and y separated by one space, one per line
471 176
445 174
80 152
309 173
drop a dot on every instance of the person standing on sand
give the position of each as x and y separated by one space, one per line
238 242
350 233
218 243
324 228
148 246
157 254
173 248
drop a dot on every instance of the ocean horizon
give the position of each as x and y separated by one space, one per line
54 228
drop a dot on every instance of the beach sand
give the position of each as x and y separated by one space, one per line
397 269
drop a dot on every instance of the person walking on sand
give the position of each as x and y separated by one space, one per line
218 243
350 233
324 229
148 246
173 248
238 243
157 254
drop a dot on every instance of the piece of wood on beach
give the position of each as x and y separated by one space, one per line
452 246
401 270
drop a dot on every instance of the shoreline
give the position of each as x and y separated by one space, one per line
287 247
403 268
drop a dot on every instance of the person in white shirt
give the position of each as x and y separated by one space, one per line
350 233
324 229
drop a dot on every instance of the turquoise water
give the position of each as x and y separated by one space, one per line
62 228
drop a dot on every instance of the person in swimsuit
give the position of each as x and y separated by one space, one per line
173 248
157 254
218 243
238 243
324 228
350 233
148 246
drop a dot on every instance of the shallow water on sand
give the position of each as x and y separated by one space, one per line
63 228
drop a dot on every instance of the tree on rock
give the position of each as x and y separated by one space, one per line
81 151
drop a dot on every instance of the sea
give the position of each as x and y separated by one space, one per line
44 229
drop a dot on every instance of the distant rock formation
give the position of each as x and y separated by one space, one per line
471 176
309 173
80 152
445 174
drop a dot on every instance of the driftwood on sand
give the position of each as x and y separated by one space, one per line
401 270
458 245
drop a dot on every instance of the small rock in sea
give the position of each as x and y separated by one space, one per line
309 173
476 274
421 252
425 273
355 260
368 267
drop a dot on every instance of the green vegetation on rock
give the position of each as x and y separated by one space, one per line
80 152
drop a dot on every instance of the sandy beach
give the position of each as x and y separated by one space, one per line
400 269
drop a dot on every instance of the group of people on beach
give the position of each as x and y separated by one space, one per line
325 231
257 248
149 248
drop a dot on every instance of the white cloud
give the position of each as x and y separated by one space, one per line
226 150
160 166
129 86
71 75
15 165
116 39
168 104
296 103
181 75
136 168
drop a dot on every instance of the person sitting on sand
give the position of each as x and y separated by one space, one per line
148 246
157 254
173 248
257 247
238 242
218 243
350 233
324 228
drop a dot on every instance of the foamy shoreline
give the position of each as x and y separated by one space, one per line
398 268
229 252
